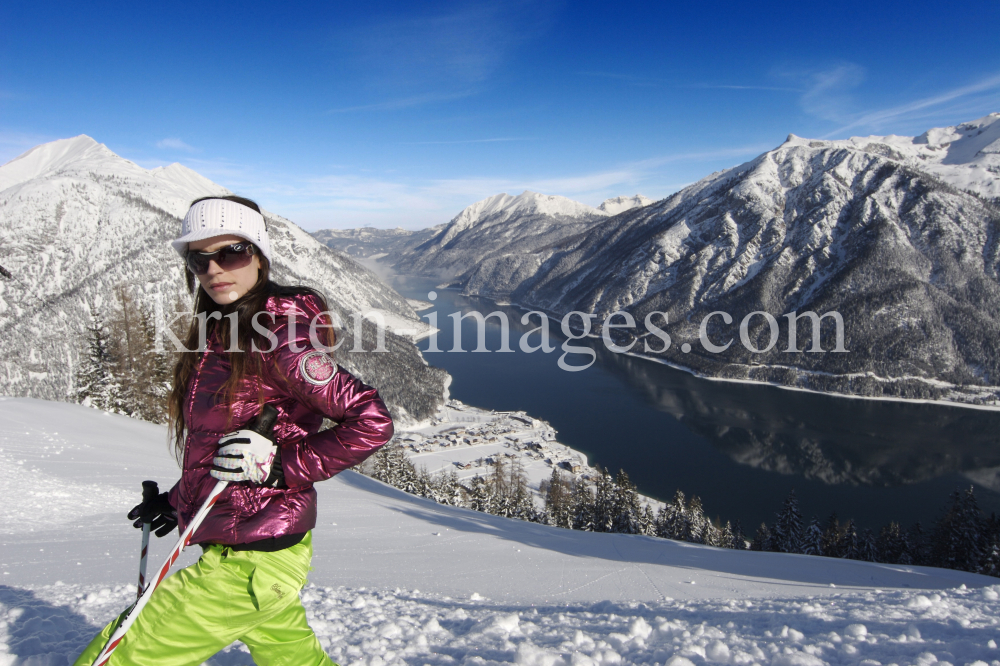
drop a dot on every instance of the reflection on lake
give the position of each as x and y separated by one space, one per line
740 447
830 439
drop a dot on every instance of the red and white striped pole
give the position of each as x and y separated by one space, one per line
145 594
264 424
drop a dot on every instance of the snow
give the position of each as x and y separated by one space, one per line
78 221
466 440
526 203
50 157
621 204
965 155
403 580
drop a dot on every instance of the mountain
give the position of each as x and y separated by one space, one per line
622 204
501 221
966 156
386 245
77 221
497 225
900 236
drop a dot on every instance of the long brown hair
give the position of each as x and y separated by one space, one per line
243 363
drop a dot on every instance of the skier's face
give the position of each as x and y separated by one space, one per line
226 286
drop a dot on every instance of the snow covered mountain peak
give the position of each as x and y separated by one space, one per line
51 157
77 222
622 204
966 155
505 206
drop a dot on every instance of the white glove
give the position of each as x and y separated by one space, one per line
248 456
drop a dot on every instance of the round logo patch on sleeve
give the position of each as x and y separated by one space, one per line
317 368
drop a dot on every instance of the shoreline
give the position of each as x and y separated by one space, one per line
699 375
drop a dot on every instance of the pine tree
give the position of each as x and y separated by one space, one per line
157 370
787 531
832 537
97 383
919 549
959 538
990 565
479 494
559 500
726 536
671 519
583 506
647 524
739 538
868 551
762 538
522 503
812 539
445 489
626 510
696 523
891 544
971 539
850 547
604 502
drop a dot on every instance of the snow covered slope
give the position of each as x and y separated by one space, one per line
76 221
500 224
875 229
402 580
966 156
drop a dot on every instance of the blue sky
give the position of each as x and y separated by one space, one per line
401 114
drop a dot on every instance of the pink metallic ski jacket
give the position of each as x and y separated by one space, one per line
304 385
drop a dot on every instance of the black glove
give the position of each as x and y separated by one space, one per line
162 517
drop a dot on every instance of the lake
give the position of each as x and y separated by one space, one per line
740 447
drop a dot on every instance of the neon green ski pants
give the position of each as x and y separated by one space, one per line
225 596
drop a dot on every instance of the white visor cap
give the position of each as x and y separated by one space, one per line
221 217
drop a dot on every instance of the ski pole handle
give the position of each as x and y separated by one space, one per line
150 491
263 426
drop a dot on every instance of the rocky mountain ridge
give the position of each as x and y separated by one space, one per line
875 229
502 222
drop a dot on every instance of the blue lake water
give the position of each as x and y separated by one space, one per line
740 447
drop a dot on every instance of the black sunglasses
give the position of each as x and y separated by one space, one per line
228 258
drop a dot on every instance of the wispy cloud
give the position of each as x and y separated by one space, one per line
387 199
345 200
406 102
502 139
642 81
920 107
704 155
720 86
464 43
828 94
647 81
176 144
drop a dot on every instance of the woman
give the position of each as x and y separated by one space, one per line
253 345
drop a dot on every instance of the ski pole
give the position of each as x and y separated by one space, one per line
263 425
149 492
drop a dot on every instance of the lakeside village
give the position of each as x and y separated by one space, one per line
470 442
